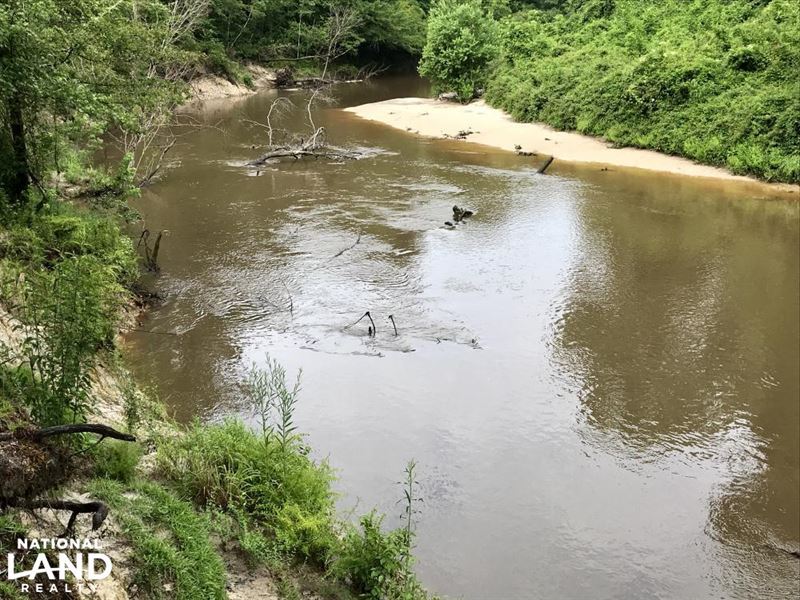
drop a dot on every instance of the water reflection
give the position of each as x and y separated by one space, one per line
676 338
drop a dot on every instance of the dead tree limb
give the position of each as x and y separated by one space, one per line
151 256
99 510
46 432
350 247
155 167
302 152
340 26
372 330
544 167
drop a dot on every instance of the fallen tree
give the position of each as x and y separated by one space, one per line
340 23
314 147
104 431
30 465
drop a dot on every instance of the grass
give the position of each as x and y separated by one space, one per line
269 489
174 556
115 459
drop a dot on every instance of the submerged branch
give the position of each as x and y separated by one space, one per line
544 167
350 247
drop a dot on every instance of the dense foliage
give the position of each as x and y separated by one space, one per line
71 71
62 275
712 80
275 29
461 44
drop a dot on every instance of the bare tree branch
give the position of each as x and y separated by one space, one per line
40 434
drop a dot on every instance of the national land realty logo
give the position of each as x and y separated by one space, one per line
59 565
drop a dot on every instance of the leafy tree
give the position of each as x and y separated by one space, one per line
70 71
269 29
460 46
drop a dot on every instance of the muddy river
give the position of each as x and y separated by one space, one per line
597 374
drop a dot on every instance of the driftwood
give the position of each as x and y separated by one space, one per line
350 247
298 153
151 256
103 431
544 167
314 147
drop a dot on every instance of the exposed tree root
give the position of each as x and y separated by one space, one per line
39 434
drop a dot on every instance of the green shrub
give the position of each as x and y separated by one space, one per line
115 459
460 46
229 467
372 561
218 62
66 232
67 315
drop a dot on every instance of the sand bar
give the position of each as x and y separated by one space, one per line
493 127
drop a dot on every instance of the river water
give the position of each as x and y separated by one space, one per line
597 374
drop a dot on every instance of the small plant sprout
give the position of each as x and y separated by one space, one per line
272 401
409 500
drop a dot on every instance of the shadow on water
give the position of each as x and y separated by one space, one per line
597 372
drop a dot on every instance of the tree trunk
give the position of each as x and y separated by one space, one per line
20 177
20 172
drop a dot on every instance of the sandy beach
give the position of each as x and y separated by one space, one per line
493 127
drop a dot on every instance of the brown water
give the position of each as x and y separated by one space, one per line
598 374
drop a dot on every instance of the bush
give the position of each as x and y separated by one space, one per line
66 232
371 561
460 46
67 315
229 467
115 459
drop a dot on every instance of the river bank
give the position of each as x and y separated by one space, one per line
159 492
479 123
214 87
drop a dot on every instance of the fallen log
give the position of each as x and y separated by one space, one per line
543 168
298 153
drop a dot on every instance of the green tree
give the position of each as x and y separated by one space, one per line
70 71
460 46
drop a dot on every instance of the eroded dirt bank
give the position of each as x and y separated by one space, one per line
214 87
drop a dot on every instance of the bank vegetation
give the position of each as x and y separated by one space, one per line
711 80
